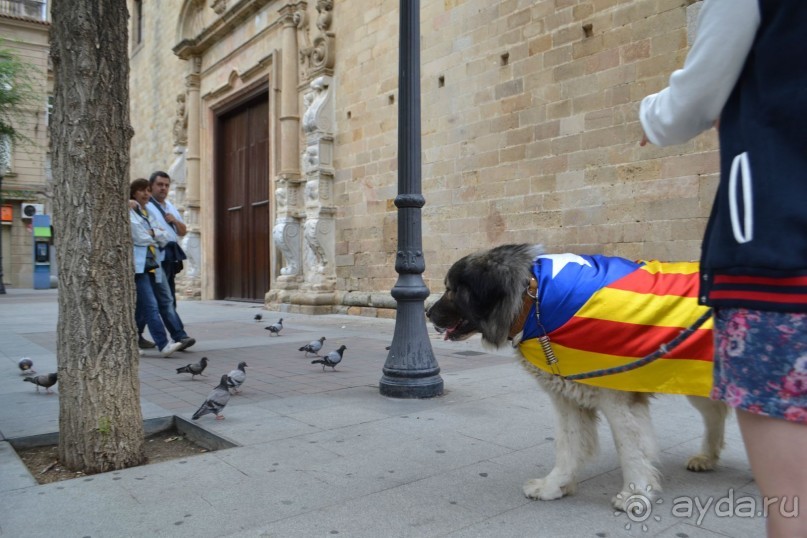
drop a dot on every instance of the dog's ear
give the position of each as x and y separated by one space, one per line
476 285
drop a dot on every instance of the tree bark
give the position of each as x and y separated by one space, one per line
100 421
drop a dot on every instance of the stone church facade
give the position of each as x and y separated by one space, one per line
277 121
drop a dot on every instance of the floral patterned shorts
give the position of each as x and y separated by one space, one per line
761 362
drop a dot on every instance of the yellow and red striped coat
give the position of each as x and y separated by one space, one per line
603 312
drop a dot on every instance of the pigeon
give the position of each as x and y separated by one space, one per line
258 317
313 346
215 401
236 377
194 369
46 381
275 328
331 359
26 365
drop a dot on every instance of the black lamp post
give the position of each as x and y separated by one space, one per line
411 371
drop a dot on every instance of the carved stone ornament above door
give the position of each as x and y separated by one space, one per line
219 6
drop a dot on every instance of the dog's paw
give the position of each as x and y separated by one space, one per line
701 463
545 490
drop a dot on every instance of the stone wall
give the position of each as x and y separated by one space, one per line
530 134
157 76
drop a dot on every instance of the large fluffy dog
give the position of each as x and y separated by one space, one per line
489 293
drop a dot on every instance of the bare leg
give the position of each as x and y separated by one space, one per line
575 442
776 450
714 422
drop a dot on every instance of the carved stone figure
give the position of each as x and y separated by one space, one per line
301 21
317 56
325 18
312 192
310 159
318 113
179 167
286 235
316 256
181 122
281 197
219 6
192 246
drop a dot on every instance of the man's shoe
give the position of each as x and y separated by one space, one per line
142 343
169 348
185 343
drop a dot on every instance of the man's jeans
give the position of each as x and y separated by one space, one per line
169 271
165 305
147 311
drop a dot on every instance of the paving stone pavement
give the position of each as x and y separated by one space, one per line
322 453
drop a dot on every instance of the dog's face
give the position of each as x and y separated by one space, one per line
483 293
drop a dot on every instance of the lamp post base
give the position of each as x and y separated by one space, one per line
409 387
411 370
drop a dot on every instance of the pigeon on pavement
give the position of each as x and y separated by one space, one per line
331 359
26 365
258 317
215 401
237 377
194 369
313 346
275 328
46 381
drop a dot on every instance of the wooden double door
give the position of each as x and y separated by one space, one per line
243 212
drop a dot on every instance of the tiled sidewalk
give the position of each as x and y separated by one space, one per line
322 453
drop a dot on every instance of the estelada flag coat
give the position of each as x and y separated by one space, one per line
602 312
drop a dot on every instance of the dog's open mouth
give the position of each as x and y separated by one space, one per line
459 331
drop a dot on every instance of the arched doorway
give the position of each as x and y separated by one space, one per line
243 211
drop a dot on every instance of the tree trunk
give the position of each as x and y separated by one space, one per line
100 422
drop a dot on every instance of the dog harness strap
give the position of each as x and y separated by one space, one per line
530 297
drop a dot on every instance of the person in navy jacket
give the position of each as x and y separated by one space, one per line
746 73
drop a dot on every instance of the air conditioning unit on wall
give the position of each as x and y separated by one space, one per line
28 210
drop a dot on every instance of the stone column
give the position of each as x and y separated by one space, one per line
317 164
179 165
179 169
318 292
286 232
191 243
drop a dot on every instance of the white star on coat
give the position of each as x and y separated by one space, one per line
559 261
